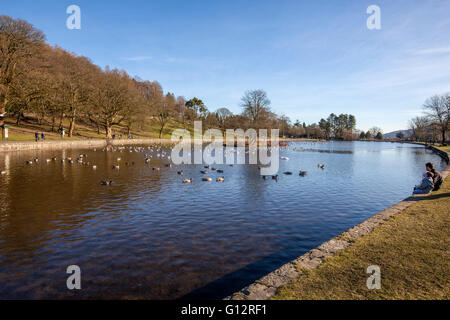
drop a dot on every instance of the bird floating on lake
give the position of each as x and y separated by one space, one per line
207 179
188 180
284 158
220 179
303 173
321 166
106 183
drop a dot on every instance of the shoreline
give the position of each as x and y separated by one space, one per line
8 146
267 287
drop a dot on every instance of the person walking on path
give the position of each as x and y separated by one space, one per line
42 136
36 136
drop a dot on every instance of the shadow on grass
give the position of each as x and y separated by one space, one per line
437 196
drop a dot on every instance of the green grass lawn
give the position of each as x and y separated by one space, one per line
412 249
446 148
26 130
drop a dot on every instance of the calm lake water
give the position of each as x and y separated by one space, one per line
149 236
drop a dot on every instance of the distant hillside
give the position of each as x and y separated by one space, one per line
393 134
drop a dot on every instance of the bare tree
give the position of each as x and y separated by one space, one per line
223 114
111 99
419 125
437 108
375 131
18 41
163 111
255 103
74 75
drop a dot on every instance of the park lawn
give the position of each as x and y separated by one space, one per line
25 132
446 148
412 250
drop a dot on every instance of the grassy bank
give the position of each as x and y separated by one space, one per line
411 249
446 148
27 128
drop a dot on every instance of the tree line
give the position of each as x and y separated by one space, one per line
59 87
434 124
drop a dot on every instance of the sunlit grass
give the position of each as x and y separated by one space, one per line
27 129
412 250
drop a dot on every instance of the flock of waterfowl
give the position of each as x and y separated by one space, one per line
155 153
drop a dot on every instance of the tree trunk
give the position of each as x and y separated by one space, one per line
444 138
53 122
2 110
72 124
61 121
19 115
108 131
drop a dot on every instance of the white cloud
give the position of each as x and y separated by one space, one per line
433 51
138 58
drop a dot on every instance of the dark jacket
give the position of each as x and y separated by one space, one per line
437 180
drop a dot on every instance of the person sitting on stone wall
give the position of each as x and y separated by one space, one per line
427 184
437 178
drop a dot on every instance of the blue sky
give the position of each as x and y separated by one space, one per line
312 57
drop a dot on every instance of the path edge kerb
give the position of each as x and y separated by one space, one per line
266 287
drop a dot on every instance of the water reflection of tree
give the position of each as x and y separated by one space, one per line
44 202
